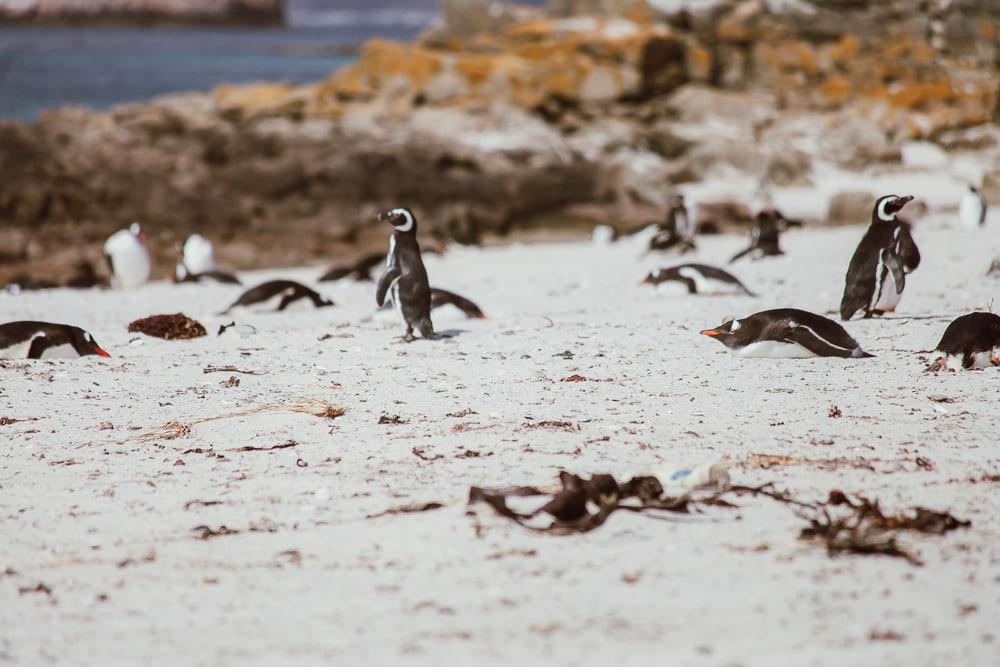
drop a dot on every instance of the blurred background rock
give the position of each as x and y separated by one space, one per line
490 119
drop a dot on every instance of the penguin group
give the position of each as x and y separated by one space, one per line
874 284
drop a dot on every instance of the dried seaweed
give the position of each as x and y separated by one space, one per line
206 533
843 525
407 509
169 327
253 448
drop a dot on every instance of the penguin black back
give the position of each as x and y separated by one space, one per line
971 335
288 290
441 297
31 340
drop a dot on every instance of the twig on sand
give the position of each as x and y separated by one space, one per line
229 369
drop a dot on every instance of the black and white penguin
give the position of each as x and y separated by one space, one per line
220 277
970 341
876 275
45 340
786 333
127 258
405 278
441 297
358 270
197 256
699 279
765 235
677 231
972 209
278 294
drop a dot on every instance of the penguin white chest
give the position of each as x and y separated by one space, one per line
131 266
17 350
706 285
774 349
886 296
970 211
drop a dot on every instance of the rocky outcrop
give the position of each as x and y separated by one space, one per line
229 12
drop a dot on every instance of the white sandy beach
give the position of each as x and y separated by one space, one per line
101 510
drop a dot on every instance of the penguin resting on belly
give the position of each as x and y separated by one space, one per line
405 278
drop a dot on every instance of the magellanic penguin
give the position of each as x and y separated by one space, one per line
280 292
405 278
128 258
677 231
765 235
972 209
970 341
699 279
786 333
876 275
358 270
44 340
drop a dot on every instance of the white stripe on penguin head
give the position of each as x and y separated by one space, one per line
406 226
881 209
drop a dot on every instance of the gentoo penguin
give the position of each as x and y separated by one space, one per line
220 277
359 270
877 272
972 209
44 340
765 235
699 279
280 292
127 258
440 297
969 341
786 333
405 278
677 231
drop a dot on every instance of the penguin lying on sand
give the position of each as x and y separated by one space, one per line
699 279
283 292
405 278
970 341
786 333
359 270
765 235
678 229
440 297
220 277
44 340
876 275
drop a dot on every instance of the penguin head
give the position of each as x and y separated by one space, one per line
730 333
402 220
136 230
888 206
84 343
651 277
677 201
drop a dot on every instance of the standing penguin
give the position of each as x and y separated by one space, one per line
405 278
678 229
765 235
972 209
45 340
877 272
197 256
127 257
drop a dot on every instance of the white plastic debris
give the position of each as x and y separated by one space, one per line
686 478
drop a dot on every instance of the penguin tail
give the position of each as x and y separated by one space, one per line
858 353
749 293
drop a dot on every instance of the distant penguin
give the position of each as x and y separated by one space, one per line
44 340
128 258
786 333
765 235
197 256
970 341
278 294
220 277
361 269
972 209
405 278
876 275
440 297
677 231
699 279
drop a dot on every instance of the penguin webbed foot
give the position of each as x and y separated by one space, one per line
995 360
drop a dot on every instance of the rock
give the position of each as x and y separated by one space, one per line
787 168
991 187
850 208
853 142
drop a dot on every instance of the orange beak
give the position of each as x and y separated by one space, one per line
101 352
710 332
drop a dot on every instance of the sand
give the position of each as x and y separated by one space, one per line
101 504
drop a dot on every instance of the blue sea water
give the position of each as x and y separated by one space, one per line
99 67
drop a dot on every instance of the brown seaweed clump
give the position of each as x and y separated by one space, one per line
170 327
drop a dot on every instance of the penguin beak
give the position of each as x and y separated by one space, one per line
903 201
101 352
648 280
711 332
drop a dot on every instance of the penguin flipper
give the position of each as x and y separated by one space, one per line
894 264
742 253
906 249
385 282
808 339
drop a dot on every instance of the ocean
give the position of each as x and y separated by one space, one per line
99 67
